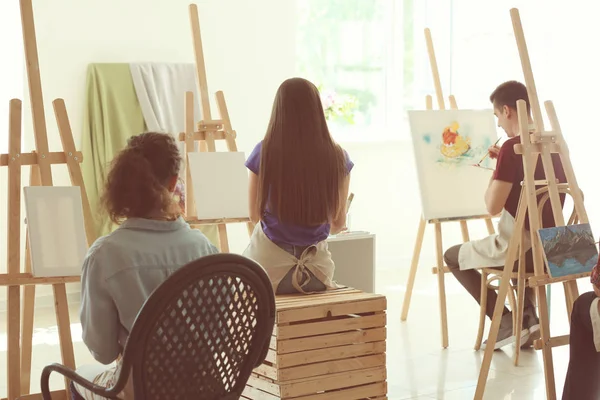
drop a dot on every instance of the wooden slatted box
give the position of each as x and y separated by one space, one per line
325 346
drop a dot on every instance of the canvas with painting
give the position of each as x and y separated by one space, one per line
568 250
449 146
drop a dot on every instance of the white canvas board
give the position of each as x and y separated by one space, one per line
55 222
220 182
447 143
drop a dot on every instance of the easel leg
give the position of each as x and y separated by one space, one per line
518 312
413 269
14 305
223 241
464 230
482 310
27 337
28 305
546 348
441 283
13 249
64 327
490 226
549 298
503 289
250 227
493 335
519 307
571 294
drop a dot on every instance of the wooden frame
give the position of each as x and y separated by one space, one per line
206 132
440 269
537 142
329 345
49 251
20 337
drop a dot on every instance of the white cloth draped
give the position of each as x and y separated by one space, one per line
160 89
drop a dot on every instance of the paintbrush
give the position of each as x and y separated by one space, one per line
487 153
349 202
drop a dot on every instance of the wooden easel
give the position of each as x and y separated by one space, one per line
537 142
20 338
440 269
208 130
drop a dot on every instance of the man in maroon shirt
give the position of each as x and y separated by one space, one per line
502 197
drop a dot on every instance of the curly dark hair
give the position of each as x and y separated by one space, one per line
137 185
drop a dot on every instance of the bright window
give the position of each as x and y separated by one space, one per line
375 51
364 49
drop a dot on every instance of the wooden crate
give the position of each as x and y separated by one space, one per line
325 346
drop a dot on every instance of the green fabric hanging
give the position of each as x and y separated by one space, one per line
112 115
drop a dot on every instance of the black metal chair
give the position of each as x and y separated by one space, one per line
198 336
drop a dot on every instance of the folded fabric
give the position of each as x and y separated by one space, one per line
112 115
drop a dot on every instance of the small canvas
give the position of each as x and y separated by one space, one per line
447 144
55 222
220 182
568 250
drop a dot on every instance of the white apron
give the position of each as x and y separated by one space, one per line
595 317
490 251
103 376
278 262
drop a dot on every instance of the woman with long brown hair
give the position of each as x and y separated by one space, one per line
298 188
123 268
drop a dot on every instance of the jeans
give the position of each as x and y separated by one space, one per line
286 286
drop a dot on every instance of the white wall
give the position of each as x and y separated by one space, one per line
249 50
248 46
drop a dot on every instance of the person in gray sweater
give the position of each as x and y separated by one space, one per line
122 269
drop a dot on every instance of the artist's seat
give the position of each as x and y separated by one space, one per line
199 334
516 297
491 275
329 345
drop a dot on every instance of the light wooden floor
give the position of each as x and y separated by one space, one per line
417 366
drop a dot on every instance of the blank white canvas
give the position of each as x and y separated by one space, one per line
56 229
220 182
450 186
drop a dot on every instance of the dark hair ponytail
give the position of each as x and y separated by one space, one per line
137 184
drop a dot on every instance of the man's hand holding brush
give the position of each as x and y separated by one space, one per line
493 151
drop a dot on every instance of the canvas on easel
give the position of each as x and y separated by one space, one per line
537 143
55 253
206 132
568 250
221 195
448 145
440 269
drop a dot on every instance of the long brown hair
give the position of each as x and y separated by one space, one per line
137 184
302 169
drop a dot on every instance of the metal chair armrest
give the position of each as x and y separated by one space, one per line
110 393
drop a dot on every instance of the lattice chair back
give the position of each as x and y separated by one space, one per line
198 336
202 332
